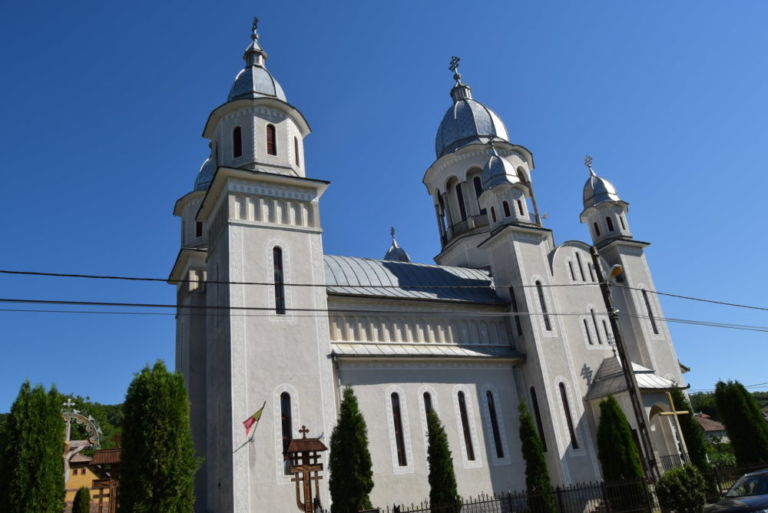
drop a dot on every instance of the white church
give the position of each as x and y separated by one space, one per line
503 315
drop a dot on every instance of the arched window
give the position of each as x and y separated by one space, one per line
623 224
465 427
581 267
296 150
507 213
427 402
586 329
520 207
277 260
569 420
650 312
493 214
198 229
537 416
478 191
460 200
607 333
271 140
591 272
570 266
515 310
544 312
286 421
402 460
237 142
597 229
594 322
494 424
609 222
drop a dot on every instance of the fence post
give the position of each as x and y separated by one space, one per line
606 502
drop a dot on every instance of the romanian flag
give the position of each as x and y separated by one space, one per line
253 420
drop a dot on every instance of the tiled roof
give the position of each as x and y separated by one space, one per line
709 425
380 278
106 457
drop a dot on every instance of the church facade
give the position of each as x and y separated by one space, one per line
505 315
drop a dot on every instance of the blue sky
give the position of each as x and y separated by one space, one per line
103 104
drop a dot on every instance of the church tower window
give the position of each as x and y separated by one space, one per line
597 229
570 266
493 214
507 213
465 427
237 142
271 140
569 420
460 200
544 312
198 229
277 260
623 224
286 421
537 416
609 222
650 312
581 267
427 402
494 424
515 311
478 191
589 336
594 322
520 207
296 150
402 460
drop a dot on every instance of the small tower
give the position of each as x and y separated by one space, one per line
395 253
504 192
604 211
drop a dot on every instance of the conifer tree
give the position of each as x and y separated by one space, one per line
158 460
443 496
350 466
746 427
693 434
31 463
82 502
541 497
617 452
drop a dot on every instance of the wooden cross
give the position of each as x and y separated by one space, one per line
675 412
304 431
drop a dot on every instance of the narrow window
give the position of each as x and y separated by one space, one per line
609 222
591 272
650 312
237 142
607 333
465 427
198 229
277 258
427 402
271 140
569 420
545 313
520 207
594 321
589 336
478 191
570 266
537 416
597 229
400 441
507 213
623 224
515 311
460 199
286 421
296 150
581 267
493 214
494 425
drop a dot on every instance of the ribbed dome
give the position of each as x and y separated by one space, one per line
497 171
205 175
255 82
598 190
467 121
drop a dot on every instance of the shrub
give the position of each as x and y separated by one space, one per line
82 503
681 490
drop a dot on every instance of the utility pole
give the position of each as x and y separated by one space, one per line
651 469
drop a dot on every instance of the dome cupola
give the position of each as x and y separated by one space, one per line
467 121
498 171
395 253
597 189
254 80
605 213
205 175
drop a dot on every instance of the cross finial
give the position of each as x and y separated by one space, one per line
392 232
588 163
455 68
254 29
304 431
69 403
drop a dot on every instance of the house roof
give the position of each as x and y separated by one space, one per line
106 457
381 278
80 458
709 425
610 379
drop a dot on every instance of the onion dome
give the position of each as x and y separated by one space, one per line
498 171
395 253
205 175
467 121
597 189
254 81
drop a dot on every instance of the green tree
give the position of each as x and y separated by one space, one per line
443 496
82 502
693 434
31 463
350 464
681 490
746 426
616 449
158 459
541 497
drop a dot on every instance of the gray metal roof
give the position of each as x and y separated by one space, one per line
598 190
610 379
498 171
380 278
255 81
467 121
205 175
390 349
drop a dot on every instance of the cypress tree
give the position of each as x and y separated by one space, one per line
617 451
693 434
443 496
82 502
350 467
32 466
746 427
541 497
158 459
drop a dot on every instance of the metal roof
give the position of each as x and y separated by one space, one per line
598 190
394 349
610 379
468 121
380 278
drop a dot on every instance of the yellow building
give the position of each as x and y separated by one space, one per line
99 474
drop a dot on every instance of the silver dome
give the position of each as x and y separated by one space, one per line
395 253
498 171
467 121
254 81
598 190
205 175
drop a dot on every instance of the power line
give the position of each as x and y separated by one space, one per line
702 300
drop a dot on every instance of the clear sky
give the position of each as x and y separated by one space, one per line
103 103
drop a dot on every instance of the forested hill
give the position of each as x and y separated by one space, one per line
704 402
